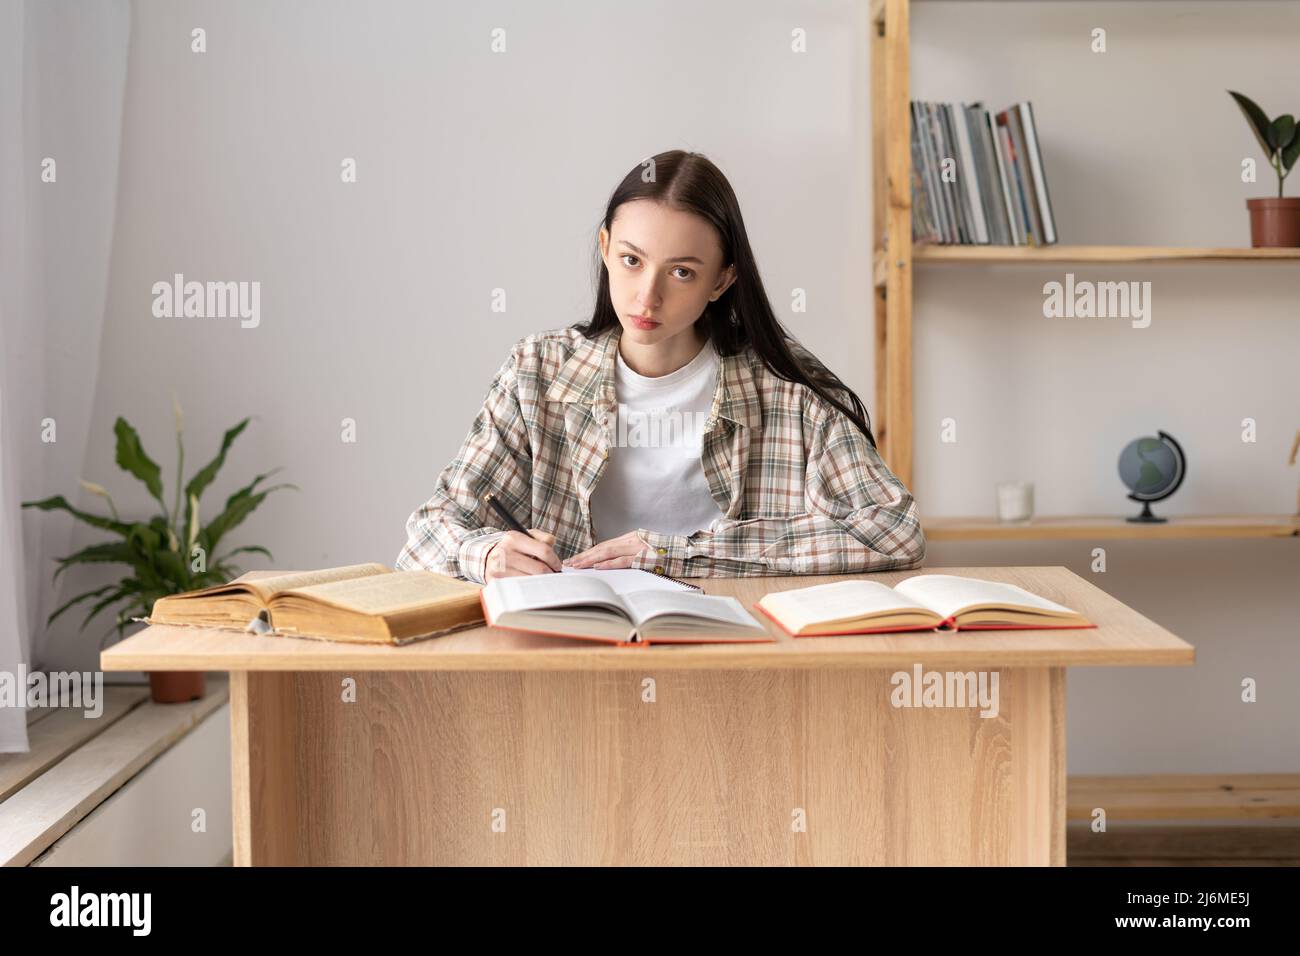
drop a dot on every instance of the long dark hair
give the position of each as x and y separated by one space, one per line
741 317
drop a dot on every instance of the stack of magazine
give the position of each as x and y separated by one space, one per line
995 191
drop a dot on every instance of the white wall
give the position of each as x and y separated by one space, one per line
481 170
476 171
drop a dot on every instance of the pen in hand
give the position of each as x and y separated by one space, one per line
532 555
495 504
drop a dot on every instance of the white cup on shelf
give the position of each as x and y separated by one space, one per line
1015 500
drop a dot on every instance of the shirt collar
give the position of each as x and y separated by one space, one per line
588 377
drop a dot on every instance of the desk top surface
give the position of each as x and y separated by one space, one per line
1123 637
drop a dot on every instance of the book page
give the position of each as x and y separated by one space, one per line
301 579
948 594
627 580
645 605
535 592
838 601
388 593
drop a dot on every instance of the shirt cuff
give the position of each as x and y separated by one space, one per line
664 553
472 556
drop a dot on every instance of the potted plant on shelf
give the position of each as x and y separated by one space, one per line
153 548
1274 221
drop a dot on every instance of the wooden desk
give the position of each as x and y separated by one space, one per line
499 748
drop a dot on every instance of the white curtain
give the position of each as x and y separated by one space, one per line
62 83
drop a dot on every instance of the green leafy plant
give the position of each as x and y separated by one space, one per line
1279 138
153 548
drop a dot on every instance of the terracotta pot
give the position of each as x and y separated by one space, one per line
176 687
1274 222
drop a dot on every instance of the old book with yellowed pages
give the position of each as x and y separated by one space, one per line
358 603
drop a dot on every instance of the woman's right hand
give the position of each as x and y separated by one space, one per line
517 553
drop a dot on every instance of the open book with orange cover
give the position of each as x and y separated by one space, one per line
357 603
924 602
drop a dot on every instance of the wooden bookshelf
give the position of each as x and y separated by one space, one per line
1059 253
1031 255
892 268
891 150
1097 527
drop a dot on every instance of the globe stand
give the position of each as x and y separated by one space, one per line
1139 478
1146 517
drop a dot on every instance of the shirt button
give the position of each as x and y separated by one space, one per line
663 550
659 569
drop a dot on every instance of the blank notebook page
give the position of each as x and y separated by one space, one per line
626 580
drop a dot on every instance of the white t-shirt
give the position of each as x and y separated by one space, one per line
654 479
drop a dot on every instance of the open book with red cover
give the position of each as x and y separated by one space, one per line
924 602
624 606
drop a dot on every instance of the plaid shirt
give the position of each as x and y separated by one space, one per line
800 488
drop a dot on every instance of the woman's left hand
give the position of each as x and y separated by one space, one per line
614 553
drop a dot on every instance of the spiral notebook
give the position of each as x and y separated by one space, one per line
635 579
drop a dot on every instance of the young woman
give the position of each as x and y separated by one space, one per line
681 430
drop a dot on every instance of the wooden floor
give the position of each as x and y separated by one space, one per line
1181 845
1176 846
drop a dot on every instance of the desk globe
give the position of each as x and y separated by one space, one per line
1152 469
